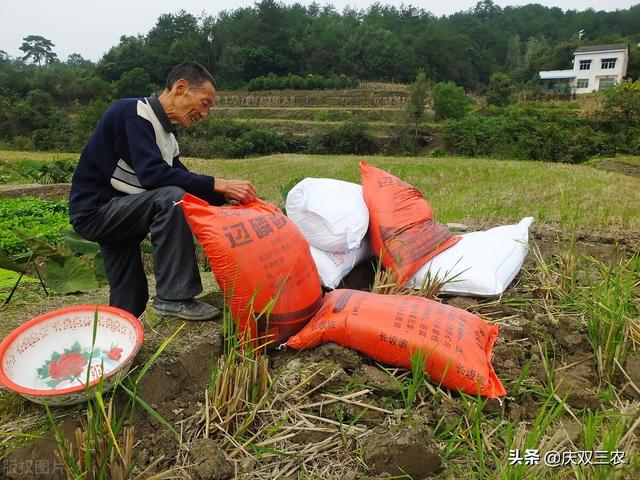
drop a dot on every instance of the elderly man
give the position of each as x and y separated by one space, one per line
126 184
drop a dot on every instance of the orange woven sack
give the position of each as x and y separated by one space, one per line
256 254
457 345
401 225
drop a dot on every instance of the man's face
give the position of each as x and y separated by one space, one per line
193 102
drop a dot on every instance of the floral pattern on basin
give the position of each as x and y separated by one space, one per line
69 368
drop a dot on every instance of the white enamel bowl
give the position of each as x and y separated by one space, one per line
47 358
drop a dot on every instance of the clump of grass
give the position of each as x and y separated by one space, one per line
612 431
611 311
603 295
104 447
239 387
240 379
413 384
386 283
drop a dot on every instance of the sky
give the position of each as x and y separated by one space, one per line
91 28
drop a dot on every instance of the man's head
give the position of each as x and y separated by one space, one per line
189 94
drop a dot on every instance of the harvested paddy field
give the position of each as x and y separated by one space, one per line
567 354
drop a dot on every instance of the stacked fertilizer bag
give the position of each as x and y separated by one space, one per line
481 264
403 232
333 217
456 345
258 256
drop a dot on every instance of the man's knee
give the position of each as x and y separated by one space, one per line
173 194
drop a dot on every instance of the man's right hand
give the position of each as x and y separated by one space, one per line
240 190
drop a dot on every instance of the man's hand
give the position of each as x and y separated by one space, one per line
240 190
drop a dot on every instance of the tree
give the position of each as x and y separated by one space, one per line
417 98
514 53
622 103
449 101
134 83
78 61
38 48
500 90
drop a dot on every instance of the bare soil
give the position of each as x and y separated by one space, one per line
52 191
614 165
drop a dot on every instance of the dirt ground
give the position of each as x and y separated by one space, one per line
43 192
382 439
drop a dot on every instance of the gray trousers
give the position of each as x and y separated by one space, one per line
121 224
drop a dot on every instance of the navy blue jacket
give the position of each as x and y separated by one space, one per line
133 149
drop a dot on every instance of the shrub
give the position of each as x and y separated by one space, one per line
500 90
351 137
449 101
221 137
134 83
530 133
296 82
622 103
417 98
438 152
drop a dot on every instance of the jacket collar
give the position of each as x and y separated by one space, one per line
156 106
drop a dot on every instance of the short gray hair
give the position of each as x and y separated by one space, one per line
192 72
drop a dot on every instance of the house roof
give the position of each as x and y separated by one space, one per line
602 48
556 74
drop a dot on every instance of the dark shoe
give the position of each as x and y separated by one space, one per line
191 309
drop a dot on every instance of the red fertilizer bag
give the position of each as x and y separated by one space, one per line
389 328
401 225
256 254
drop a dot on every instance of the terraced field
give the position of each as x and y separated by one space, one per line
296 112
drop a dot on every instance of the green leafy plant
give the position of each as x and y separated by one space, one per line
41 219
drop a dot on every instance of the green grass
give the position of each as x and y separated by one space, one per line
465 189
459 189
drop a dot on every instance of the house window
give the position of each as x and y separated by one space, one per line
585 64
583 83
608 63
606 82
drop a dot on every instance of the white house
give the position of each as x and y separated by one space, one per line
595 67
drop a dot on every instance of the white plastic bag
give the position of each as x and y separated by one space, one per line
334 266
483 263
331 214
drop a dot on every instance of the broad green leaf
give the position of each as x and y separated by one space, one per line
79 245
8 264
72 276
99 269
41 248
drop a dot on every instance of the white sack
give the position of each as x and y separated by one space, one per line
484 263
334 266
331 214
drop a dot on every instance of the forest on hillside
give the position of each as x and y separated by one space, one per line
47 103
